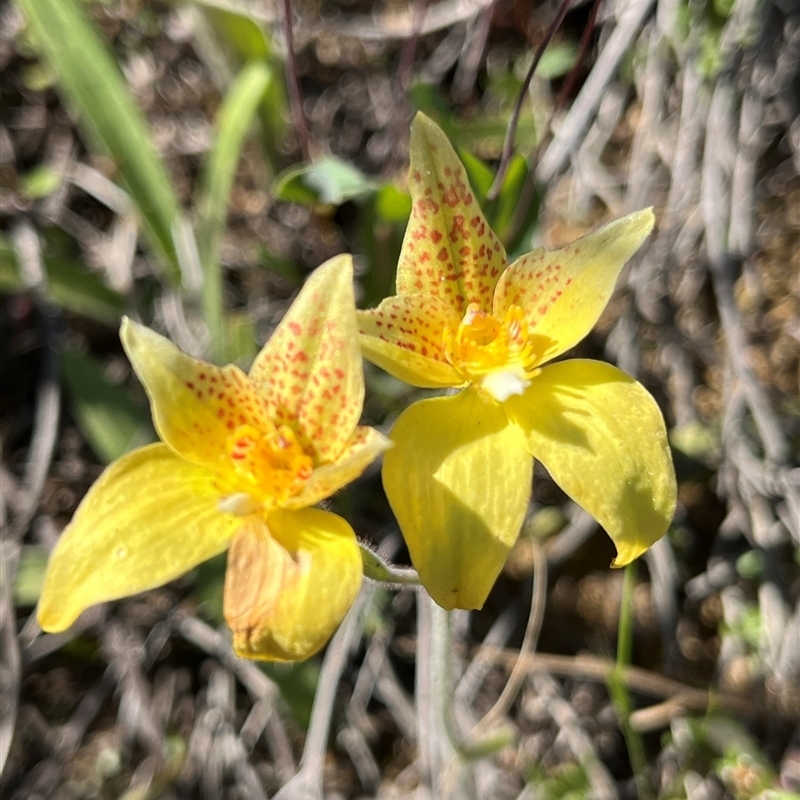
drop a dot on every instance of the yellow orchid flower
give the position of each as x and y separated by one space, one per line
459 476
241 459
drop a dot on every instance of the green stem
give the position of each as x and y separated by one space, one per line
620 696
625 632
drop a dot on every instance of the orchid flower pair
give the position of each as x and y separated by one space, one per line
243 458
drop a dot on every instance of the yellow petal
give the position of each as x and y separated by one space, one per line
310 372
458 480
449 250
602 438
149 518
404 335
363 448
290 581
195 405
563 292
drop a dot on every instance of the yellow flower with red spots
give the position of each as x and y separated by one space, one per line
459 476
242 459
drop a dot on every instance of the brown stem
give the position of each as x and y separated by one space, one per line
586 38
295 95
511 131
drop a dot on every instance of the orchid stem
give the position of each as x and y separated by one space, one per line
511 130
620 697
293 83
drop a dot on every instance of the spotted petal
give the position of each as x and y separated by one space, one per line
310 372
602 438
449 250
563 292
149 518
458 480
195 405
290 580
404 335
363 448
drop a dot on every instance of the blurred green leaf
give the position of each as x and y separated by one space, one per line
694 439
546 522
512 215
209 582
483 133
479 175
750 565
392 205
246 40
329 181
112 422
10 277
517 207
298 684
40 181
284 267
30 575
239 29
240 338
93 84
558 59
234 120
73 287
70 285
39 77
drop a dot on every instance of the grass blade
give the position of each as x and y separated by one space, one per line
94 86
233 123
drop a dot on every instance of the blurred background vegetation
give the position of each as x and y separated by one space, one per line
188 164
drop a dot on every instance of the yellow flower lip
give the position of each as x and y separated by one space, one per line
499 357
267 467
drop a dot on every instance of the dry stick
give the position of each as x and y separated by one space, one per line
470 58
40 455
10 674
529 641
511 130
295 95
601 784
598 669
642 169
587 101
399 121
307 783
721 266
409 48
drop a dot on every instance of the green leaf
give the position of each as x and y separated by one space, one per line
94 86
479 175
241 31
558 59
29 579
112 422
297 682
40 181
246 40
234 120
517 209
11 280
70 285
329 181
240 339
392 205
